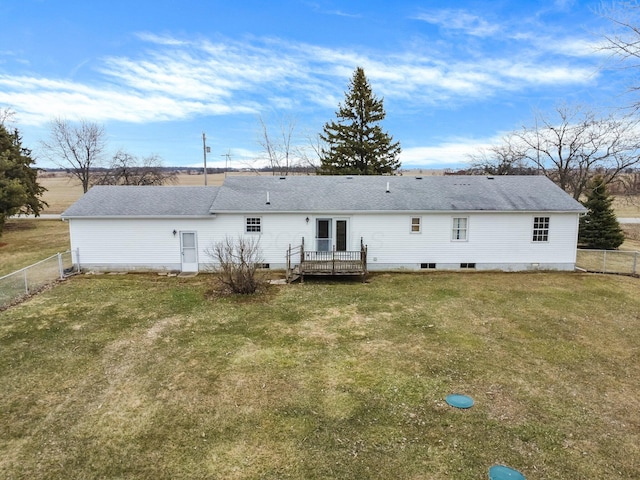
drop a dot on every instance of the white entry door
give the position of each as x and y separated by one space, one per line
189 250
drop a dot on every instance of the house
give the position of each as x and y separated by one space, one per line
410 223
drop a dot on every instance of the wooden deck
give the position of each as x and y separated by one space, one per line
301 262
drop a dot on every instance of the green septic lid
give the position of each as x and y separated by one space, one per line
500 472
459 401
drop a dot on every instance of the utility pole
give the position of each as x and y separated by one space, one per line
205 150
226 163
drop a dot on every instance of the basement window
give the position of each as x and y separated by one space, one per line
428 265
467 265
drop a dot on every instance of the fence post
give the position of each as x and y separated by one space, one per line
635 262
26 282
604 262
60 266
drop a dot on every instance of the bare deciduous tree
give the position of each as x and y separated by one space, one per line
311 153
236 261
127 169
579 144
506 158
6 116
278 148
624 42
77 147
572 146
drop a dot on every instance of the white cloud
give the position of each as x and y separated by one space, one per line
160 39
40 100
461 20
174 78
453 152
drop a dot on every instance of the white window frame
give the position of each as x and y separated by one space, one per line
540 231
419 225
253 225
456 229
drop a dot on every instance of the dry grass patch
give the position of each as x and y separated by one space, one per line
24 242
627 205
139 376
632 237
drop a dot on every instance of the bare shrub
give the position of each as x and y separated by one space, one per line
236 261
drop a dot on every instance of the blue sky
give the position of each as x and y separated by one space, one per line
454 76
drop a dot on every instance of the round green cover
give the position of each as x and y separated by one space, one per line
500 472
459 401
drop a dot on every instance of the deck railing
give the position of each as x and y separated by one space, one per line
333 262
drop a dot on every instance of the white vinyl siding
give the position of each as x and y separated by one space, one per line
135 244
500 239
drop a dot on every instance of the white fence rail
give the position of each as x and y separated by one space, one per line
609 261
33 278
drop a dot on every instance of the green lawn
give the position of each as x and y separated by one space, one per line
141 376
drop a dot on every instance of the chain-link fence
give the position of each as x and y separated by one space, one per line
609 261
34 277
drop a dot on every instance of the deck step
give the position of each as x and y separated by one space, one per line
292 278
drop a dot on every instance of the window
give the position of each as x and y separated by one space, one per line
253 225
415 224
467 265
540 229
428 265
459 231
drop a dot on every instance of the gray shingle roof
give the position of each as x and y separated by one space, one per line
368 193
129 201
248 194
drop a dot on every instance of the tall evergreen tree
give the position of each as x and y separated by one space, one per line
356 144
599 228
19 189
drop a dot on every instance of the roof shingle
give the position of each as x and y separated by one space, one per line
147 201
369 194
250 194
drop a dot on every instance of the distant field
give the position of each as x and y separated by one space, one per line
632 237
24 242
627 206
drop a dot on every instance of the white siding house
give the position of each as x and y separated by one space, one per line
441 222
